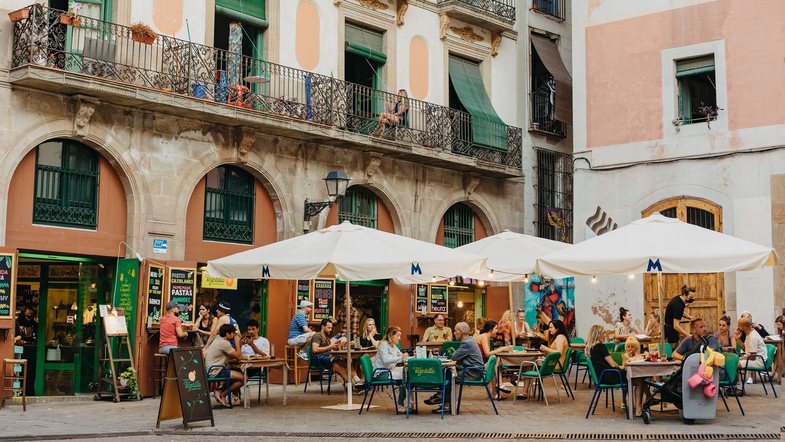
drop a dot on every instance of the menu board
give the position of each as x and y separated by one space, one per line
115 325
303 291
421 299
155 295
6 286
323 299
186 393
438 299
182 290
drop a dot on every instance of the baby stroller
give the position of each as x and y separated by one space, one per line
669 390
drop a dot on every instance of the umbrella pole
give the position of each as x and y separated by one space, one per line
512 312
348 330
662 318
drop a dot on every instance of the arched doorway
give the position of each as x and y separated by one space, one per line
710 300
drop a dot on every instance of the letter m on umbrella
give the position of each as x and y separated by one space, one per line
416 270
265 272
654 265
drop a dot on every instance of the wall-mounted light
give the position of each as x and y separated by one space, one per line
337 182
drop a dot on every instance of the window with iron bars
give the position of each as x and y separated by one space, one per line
358 206
229 203
66 185
458 226
554 195
553 8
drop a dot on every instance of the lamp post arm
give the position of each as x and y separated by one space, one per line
312 208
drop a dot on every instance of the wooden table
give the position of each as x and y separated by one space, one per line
778 369
265 364
646 369
431 344
578 346
355 354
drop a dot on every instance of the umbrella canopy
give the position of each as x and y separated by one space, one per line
512 256
352 253
657 244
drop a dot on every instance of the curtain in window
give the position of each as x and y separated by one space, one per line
487 128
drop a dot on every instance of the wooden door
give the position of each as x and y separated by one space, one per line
710 295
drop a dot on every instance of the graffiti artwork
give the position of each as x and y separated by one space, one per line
548 299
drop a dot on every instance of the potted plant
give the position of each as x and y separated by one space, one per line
142 33
128 380
72 17
19 15
709 112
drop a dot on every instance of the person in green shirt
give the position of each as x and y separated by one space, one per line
438 332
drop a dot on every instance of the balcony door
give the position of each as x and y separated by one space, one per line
710 297
364 60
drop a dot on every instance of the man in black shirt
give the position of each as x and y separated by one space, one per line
26 327
675 312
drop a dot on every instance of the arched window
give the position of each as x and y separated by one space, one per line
458 226
229 205
358 206
66 184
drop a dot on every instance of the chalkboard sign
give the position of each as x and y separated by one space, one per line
421 303
438 299
323 299
155 295
186 392
7 268
303 291
182 290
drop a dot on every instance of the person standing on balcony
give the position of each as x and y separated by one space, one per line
397 115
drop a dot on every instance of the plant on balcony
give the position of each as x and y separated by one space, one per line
24 13
709 112
72 17
142 33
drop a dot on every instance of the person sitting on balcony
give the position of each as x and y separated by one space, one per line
397 116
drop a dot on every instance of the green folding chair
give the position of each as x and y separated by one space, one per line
729 381
600 387
427 375
479 376
564 371
580 361
377 378
771 352
611 346
324 373
449 347
547 368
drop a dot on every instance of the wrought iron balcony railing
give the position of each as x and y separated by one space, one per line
554 8
110 51
501 8
542 114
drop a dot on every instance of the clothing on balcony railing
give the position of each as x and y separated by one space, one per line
486 126
549 54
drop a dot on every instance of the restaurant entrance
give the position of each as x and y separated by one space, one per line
248 302
57 323
369 300
466 303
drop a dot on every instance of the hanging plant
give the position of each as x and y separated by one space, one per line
142 33
72 17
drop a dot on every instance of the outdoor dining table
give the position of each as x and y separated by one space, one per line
578 345
453 371
265 364
779 358
354 353
646 369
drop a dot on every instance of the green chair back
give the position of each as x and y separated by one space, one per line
731 368
617 357
490 369
577 340
567 362
424 372
449 347
592 372
517 348
771 349
668 350
367 366
549 364
619 347
611 346
739 348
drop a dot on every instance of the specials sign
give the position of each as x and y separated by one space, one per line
182 290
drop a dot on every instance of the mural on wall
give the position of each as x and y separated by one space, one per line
548 299
606 309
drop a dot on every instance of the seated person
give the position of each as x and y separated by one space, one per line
692 344
632 352
438 332
485 341
653 324
396 115
322 344
479 323
370 337
753 345
388 356
625 328
254 344
171 328
521 327
219 354
607 369
725 338
755 326
467 355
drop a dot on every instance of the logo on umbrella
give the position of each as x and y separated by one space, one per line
416 268
654 265
265 272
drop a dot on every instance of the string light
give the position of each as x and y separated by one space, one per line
452 282
460 304
526 278
631 276
594 279
433 279
490 275
480 283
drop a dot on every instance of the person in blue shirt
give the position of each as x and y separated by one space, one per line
299 332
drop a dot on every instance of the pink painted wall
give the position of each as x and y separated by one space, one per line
624 72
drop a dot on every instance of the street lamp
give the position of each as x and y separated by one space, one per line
336 182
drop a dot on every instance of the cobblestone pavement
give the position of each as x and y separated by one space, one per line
303 418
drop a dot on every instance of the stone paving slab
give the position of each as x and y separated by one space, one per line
303 417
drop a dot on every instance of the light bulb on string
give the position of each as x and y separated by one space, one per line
526 278
480 283
452 282
460 304
490 275
631 276
594 279
433 279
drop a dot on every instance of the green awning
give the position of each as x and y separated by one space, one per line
365 42
243 17
379 57
694 66
487 128
370 283
254 8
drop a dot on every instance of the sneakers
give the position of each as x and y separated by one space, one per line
439 410
303 355
749 380
504 390
433 401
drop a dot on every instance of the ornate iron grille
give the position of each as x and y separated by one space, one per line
554 195
109 51
358 206
502 8
66 193
542 109
458 226
229 205
554 8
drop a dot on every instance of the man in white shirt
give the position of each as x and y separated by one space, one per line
753 345
255 344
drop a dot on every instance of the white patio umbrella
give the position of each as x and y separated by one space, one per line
351 253
657 244
512 256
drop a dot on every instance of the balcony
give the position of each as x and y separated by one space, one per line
542 111
555 9
103 60
494 15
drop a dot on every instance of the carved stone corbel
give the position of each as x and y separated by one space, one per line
400 13
376 5
467 34
85 108
337 2
470 183
372 163
244 139
496 39
444 25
